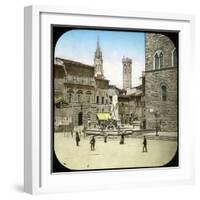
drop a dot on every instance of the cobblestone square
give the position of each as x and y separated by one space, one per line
112 154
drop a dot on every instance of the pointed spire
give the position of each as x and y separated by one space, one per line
98 60
98 44
98 52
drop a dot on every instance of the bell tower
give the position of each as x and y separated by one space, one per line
98 61
127 72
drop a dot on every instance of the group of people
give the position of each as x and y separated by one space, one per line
92 141
144 149
79 132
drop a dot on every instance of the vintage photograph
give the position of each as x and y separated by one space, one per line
114 99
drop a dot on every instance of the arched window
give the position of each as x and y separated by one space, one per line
79 96
164 92
156 61
88 94
174 58
161 60
88 98
70 97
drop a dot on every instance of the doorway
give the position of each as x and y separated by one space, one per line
80 118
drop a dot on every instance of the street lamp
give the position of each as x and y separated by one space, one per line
156 115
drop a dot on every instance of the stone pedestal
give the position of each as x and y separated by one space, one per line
136 125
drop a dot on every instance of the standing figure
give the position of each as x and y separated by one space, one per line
77 138
92 143
105 137
145 144
72 129
71 132
122 139
84 131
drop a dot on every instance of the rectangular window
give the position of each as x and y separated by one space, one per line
70 97
110 97
102 100
88 98
79 98
97 100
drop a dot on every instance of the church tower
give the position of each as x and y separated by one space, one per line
127 72
98 61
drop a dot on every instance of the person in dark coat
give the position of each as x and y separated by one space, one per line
122 139
92 143
77 138
145 144
105 137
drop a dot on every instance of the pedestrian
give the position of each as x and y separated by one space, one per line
84 131
72 130
145 144
92 143
72 133
105 137
122 139
80 133
77 138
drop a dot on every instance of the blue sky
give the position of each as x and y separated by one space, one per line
80 45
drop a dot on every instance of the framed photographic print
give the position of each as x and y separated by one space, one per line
105 105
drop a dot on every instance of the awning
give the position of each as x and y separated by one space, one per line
103 116
58 99
60 102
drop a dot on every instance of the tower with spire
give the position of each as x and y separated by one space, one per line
98 61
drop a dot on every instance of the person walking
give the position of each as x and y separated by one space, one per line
105 137
92 143
84 131
122 139
77 138
144 145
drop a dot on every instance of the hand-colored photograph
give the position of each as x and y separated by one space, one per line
114 99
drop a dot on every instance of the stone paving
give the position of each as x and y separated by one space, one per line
171 134
112 154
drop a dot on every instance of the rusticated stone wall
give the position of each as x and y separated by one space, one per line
154 79
155 42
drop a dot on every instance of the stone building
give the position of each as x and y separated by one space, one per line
160 82
79 95
131 106
82 93
74 82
